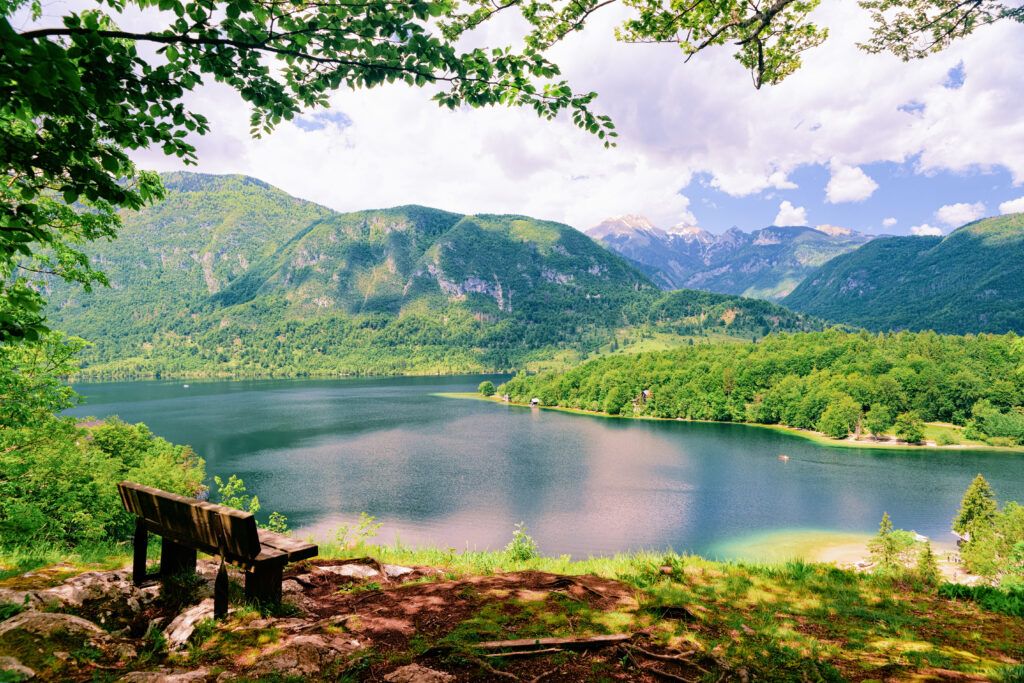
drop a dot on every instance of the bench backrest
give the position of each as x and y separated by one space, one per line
213 529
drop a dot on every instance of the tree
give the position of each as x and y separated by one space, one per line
996 548
884 547
909 427
977 505
31 389
879 419
839 417
927 569
486 388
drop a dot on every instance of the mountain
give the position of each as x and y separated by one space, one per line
970 281
766 264
229 275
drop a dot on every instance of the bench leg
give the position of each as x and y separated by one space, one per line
176 559
263 584
220 593
140 541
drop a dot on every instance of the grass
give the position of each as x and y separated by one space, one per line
935 431
60 562
783 620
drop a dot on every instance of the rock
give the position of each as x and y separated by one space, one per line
290 586
166 676
14 670
393 571
357 571
20 597
301 656
414 673
178 631
124 651
45 623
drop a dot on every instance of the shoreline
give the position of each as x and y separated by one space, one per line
817 437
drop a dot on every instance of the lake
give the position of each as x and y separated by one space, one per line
457 472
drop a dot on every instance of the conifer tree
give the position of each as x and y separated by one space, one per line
978 504
883 545
927 565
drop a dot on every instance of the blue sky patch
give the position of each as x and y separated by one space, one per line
322 119
955 77
903 193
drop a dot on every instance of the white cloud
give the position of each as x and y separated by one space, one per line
889 222
675 120
790 215
1012 206
848 184
925 229
955 215
780 181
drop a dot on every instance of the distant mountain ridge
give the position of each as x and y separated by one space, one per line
767 263
970 281
231 275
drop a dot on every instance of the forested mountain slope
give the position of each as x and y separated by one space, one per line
231 276
970 281
833 381
765 263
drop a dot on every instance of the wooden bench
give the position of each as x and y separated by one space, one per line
186 525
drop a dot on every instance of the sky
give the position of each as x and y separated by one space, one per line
860 141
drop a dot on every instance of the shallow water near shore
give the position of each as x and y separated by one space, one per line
452 473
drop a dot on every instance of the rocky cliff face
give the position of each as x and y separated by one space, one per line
767 263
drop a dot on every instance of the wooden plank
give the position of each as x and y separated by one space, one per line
213 529
295 549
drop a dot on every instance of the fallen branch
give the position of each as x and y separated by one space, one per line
566 581
519 653
536 679
505 674
568 643
682 656
665 674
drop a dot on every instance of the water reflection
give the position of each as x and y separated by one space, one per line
450 472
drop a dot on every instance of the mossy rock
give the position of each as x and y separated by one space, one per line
51 643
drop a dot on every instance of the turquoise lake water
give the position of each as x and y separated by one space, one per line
453 472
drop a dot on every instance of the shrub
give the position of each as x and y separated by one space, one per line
58 482
351 535
522 547
992 599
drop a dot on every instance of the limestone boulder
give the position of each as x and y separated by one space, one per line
181 628
13 670
302 655
414 673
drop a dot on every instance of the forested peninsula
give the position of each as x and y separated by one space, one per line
833 382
